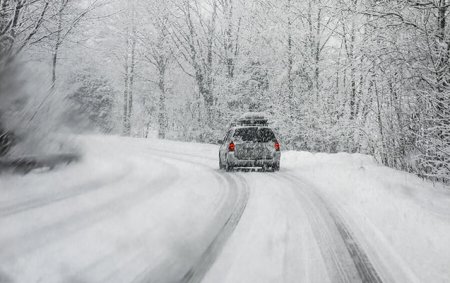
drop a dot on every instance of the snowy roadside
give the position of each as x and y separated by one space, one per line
119 214
403 219
144 208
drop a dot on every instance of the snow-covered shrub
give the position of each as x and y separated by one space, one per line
31 112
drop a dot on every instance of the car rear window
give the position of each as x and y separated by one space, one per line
265 135
246 134
254 134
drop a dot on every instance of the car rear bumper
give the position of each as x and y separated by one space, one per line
233 161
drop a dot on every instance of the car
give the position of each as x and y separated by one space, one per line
250 143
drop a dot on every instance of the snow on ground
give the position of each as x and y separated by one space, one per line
111 218
135 210
405 220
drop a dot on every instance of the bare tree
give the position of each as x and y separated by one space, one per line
68 16
129 67
159 53
196 45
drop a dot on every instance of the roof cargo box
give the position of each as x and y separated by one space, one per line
253 118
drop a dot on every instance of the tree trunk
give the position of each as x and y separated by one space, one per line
317 52
16 18
58 42
351 57
442 111
130 65
290 61
126 128
162 115
54 63
230 50
132 73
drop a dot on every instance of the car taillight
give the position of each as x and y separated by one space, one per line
277 146
231 146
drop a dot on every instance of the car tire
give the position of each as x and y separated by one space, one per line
276 167
220 163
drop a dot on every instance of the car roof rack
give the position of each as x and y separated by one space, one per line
252 119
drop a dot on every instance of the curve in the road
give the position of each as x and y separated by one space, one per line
232 208
208 257
346 260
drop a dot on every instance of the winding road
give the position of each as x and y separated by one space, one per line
134 211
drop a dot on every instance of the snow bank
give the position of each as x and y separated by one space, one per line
299 158
404 219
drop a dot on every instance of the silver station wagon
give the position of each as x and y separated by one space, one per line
250 143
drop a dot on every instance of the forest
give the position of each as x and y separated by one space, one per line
357 76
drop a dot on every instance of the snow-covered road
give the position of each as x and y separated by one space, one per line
138 210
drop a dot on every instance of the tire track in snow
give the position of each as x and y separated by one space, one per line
209 256
327 225
238 196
